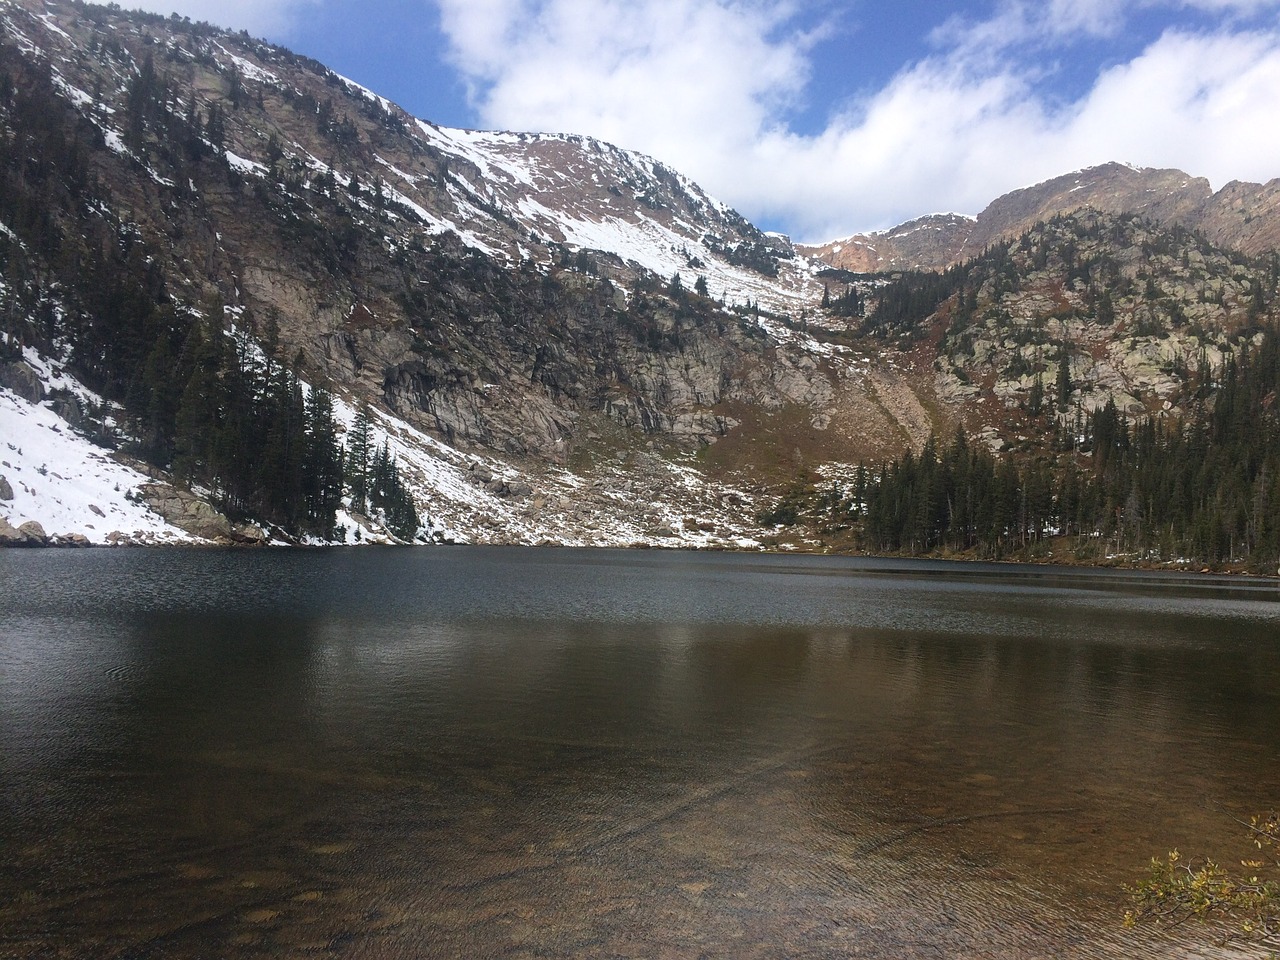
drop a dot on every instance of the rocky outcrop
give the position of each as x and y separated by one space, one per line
1166 196
1132 309
919 244
6 491
34 533
186 511
189 513
29 534
17 375
1241 216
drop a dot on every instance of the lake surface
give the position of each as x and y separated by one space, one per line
483 752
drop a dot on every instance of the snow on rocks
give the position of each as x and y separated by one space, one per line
468 497
248 69
74 491
57 487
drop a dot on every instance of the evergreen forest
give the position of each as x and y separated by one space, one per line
181 388
1203 487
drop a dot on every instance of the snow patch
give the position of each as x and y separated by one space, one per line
365 92
245 165
47 20
67 485
77 96
250 70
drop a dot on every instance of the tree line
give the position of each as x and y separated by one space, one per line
1202 487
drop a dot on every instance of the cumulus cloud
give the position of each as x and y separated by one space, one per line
685 80
941 138
259 17
706 85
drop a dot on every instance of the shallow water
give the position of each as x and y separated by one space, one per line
520 752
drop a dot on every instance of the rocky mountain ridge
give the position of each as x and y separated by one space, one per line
1089 308
513 196
1240 216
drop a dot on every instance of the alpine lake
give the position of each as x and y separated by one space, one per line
521 752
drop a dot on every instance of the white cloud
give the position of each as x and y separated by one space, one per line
259 17
682 79
706 86
1203 103
1018 22
938 138
1050 23
1243 7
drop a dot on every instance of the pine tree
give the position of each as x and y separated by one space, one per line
359 460
1035 397
321 465
1063 385
388 493
199 413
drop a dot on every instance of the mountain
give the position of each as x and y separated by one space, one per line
244 299
1240 216
1120 377
1098 308
930 242
515 303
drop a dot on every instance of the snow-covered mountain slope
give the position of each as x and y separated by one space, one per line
589 195
79 493
652 500
482 286
73 489
517 196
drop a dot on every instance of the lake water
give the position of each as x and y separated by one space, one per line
482 752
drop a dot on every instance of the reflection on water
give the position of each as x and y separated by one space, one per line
480 752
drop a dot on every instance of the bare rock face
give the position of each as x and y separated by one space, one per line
1244 216
936 242
189 513
6 491
34 533
9 535
1167 196
186 511
919 244
17 375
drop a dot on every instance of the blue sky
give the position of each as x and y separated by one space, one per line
825 117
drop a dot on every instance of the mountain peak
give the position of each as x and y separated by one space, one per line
1165 195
